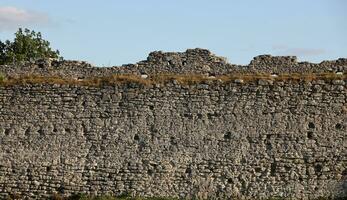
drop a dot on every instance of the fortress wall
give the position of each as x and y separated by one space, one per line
253 140
192 61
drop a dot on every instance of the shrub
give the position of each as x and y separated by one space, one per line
27 45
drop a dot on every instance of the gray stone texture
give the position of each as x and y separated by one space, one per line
220 140
192 61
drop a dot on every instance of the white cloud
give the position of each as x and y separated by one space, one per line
285 50
304 51
12 18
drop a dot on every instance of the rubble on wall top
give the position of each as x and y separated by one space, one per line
190 54
192 61
274 59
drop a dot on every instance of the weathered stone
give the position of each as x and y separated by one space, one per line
258 139
192 61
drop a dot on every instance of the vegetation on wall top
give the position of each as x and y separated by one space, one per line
183 79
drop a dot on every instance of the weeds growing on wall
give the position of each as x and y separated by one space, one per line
183 79
106 197
127 197
2 78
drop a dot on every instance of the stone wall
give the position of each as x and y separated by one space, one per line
192 61
253 140
257 139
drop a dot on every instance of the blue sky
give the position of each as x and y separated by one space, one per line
114 32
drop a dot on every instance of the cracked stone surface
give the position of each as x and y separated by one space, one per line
250 140
253 140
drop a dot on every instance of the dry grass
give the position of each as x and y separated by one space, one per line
127 197
284 77
188 79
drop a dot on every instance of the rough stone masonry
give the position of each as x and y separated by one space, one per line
251 140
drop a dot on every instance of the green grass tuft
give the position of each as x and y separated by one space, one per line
2 78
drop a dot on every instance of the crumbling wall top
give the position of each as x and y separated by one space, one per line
192 61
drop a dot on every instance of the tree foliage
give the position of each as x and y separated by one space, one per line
27 45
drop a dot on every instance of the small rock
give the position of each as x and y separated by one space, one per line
239 81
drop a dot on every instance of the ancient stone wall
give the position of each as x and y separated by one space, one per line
192 61
252 140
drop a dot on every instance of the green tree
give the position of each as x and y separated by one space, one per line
27 45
